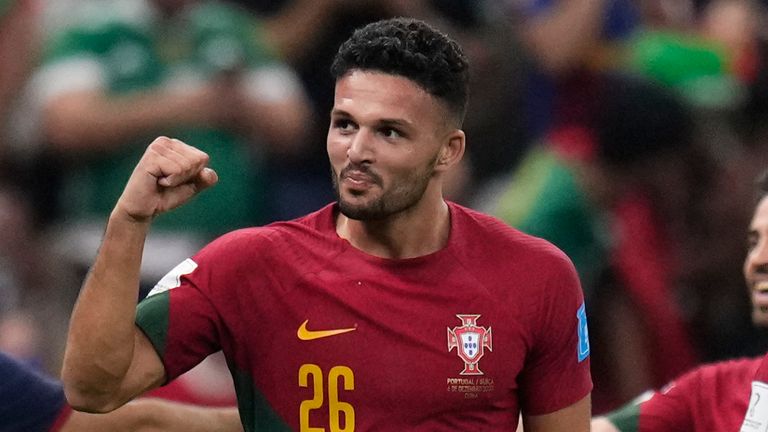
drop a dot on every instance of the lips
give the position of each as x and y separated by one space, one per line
760 295
358 179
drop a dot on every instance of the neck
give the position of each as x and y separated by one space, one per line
418 231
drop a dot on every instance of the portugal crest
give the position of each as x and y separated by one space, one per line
470 341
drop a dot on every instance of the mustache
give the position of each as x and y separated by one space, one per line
362 169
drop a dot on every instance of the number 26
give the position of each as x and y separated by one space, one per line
335 406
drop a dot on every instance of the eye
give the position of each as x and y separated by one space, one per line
344 125
391 133
752 241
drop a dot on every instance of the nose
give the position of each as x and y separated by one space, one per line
361 149
757 258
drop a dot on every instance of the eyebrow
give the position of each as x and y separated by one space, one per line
395 122
381 122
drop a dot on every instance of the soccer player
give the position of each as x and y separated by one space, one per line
756 416
712 397
390 309
31 402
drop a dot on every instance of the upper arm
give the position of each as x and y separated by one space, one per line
146 371
574 418
560 347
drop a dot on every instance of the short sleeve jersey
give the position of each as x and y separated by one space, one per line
29 402
710 398
321 335
755 413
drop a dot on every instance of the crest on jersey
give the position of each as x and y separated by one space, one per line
470 341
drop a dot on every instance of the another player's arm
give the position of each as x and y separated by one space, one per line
602 424
156 415
108 360
574 418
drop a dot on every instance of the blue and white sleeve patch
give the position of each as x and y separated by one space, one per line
583 330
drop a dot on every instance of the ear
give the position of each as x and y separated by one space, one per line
452 150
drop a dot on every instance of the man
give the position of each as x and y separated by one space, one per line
756 416
121 71
712 397
389 309
30 402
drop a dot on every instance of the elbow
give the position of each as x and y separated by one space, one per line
88 397
88 402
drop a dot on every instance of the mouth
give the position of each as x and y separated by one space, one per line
358 180
760 296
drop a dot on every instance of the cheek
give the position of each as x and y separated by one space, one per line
337 151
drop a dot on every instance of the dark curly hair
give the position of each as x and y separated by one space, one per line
412 49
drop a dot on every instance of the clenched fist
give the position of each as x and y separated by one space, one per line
168 175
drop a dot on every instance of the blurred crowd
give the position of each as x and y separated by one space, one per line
627 132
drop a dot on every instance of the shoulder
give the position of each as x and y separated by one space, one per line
730 371
276 239
708 378
482 232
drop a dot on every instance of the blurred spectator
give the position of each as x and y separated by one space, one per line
122 71
34 402
36 293
606 190
710 53
566 40
18 48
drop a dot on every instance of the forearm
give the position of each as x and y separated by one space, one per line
101 340
92 121
157 415
163 416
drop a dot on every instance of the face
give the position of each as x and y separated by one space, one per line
384 142
756 263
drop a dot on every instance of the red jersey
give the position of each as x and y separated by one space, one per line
709 398
755 414
319 334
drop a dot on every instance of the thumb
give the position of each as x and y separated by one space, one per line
206 178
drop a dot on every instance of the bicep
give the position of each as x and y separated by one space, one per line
574 418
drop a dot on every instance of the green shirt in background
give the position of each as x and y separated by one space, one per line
133 51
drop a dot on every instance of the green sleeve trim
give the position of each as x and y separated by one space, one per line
626 418
152 319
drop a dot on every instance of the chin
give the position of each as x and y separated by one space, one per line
759 317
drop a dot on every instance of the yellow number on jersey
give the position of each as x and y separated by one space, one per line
335 406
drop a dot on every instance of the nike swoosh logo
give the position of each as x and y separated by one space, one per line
306 335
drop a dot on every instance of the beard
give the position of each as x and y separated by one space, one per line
404 193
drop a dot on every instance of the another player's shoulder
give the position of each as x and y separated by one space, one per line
480 230
723 374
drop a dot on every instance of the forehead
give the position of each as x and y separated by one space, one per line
760 217
371 94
